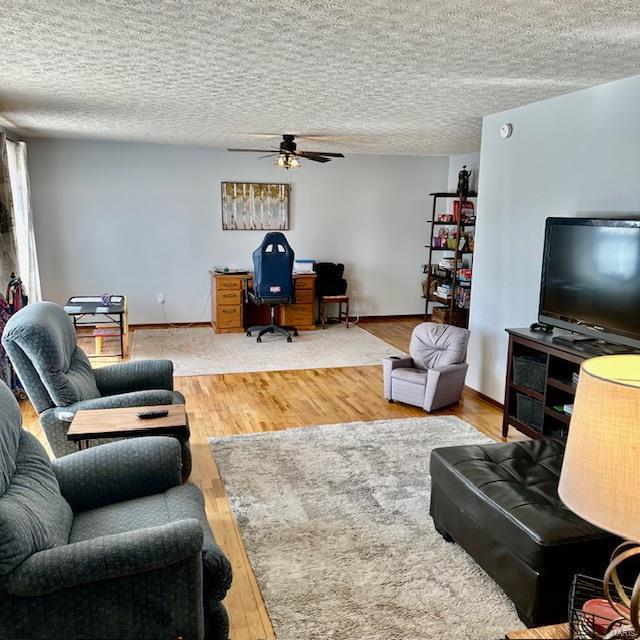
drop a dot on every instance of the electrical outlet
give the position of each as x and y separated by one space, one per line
161 299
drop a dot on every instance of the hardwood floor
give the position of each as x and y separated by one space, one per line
252 402
396 332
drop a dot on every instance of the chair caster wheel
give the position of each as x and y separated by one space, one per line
248 334
289 339
258 339
295 333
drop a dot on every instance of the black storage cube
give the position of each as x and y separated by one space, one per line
530 411
530 371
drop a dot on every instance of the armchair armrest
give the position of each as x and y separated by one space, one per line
388 365
444 385
106 558
450 369
118 471
139 375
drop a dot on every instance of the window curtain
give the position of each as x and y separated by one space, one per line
25 239
8 252
8 247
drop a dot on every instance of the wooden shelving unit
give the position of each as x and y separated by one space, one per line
454 314
557 363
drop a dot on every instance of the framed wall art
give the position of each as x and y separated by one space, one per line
255 206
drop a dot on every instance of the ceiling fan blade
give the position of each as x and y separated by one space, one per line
307 154
314 158
269 155
252 150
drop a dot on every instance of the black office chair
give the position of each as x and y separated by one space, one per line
272 282
329 281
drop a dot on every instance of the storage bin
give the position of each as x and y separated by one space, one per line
441 316
587 626
530 371
530 411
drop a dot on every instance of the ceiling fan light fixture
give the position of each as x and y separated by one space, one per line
286 161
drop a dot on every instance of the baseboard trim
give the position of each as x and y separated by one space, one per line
482 396
167 325
409 316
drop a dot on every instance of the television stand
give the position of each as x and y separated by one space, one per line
541 379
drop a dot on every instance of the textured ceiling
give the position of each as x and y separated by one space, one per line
381 76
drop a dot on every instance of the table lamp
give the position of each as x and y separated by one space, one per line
600 478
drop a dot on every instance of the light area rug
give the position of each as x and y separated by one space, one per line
200 351
336 523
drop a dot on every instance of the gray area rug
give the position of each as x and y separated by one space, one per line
336 523
200 351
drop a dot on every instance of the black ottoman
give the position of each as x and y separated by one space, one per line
500 503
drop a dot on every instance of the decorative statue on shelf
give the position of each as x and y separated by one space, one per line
463 182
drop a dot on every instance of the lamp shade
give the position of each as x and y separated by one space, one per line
600 478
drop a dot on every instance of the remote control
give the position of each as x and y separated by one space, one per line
149 415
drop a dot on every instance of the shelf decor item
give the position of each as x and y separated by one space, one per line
600 478
463 182
464 210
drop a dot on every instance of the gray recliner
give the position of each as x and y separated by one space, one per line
105 543
41 343
433 377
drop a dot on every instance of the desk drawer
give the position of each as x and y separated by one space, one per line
304 283
228 323
300 308
228 283
228 296
304 296
298 319
298 315
231 313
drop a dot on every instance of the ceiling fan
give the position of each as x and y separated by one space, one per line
288 153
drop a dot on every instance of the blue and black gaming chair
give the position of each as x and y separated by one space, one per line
272 281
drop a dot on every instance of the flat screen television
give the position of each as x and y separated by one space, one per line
591 278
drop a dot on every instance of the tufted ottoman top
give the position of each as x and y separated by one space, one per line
511 489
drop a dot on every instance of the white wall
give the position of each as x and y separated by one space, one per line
574 155
144 219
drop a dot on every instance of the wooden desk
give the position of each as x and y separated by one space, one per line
230 313
551 632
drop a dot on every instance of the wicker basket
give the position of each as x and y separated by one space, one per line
530 371
586 626
441 315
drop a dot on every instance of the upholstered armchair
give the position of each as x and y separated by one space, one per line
104 543
433 376
41 343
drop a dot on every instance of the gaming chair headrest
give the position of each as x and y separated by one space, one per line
274 240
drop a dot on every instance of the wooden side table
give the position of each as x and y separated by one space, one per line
339 300
92 424
551 632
